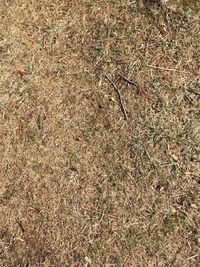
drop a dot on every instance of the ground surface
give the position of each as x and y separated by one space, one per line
79 185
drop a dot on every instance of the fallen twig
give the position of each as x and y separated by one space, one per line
120 97
128 81
139 88
20 226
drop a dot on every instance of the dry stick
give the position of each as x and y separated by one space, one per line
140 89
20 226
128 81
120 97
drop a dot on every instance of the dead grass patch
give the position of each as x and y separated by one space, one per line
79 185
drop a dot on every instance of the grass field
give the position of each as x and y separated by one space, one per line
80 185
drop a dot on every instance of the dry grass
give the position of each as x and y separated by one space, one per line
79 185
